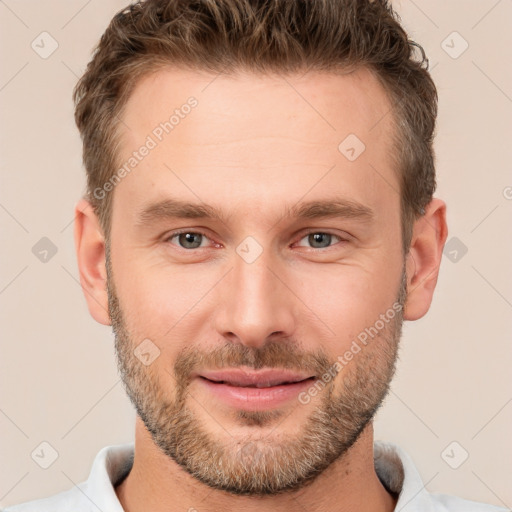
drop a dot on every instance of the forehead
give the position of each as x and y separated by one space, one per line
257 137
335 102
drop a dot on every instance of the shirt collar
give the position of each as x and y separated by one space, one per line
110 466
398 474
393 466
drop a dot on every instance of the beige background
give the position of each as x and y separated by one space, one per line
57 368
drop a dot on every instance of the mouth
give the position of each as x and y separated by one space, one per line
255 379
254 390
259 385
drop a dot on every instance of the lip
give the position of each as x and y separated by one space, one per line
254 390
257 378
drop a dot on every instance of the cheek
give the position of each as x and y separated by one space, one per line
349 298
160 301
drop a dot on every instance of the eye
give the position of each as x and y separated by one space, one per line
188 239
319 239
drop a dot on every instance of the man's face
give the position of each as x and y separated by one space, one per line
260 288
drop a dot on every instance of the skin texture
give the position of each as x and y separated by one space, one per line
253 146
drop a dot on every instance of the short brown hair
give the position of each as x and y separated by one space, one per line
264 36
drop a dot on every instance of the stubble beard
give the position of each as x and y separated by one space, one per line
258 464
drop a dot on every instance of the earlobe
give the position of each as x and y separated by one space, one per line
424 258
90 252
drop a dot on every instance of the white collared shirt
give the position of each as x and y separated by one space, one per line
394 467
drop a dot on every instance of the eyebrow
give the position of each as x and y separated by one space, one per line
171 208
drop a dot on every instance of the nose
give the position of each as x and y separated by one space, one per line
255 303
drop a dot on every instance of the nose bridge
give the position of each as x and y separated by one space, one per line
254 282
255 303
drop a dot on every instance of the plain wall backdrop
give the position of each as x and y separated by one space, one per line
59 382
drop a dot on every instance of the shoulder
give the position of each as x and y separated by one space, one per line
72 499
110 465
446 503
399 475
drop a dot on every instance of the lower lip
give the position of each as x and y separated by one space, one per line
256 399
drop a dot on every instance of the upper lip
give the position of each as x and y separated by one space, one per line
259 378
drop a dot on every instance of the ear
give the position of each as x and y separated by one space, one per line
424 258
90 251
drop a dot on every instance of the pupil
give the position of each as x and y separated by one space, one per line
318 238
187 240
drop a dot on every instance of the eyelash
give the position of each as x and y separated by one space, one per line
202 233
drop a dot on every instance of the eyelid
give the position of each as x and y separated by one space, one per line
310 231
301 235
172 234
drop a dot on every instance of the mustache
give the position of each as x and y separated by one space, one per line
274 354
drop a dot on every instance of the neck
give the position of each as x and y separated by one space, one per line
157 483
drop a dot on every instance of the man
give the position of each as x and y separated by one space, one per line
259 222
